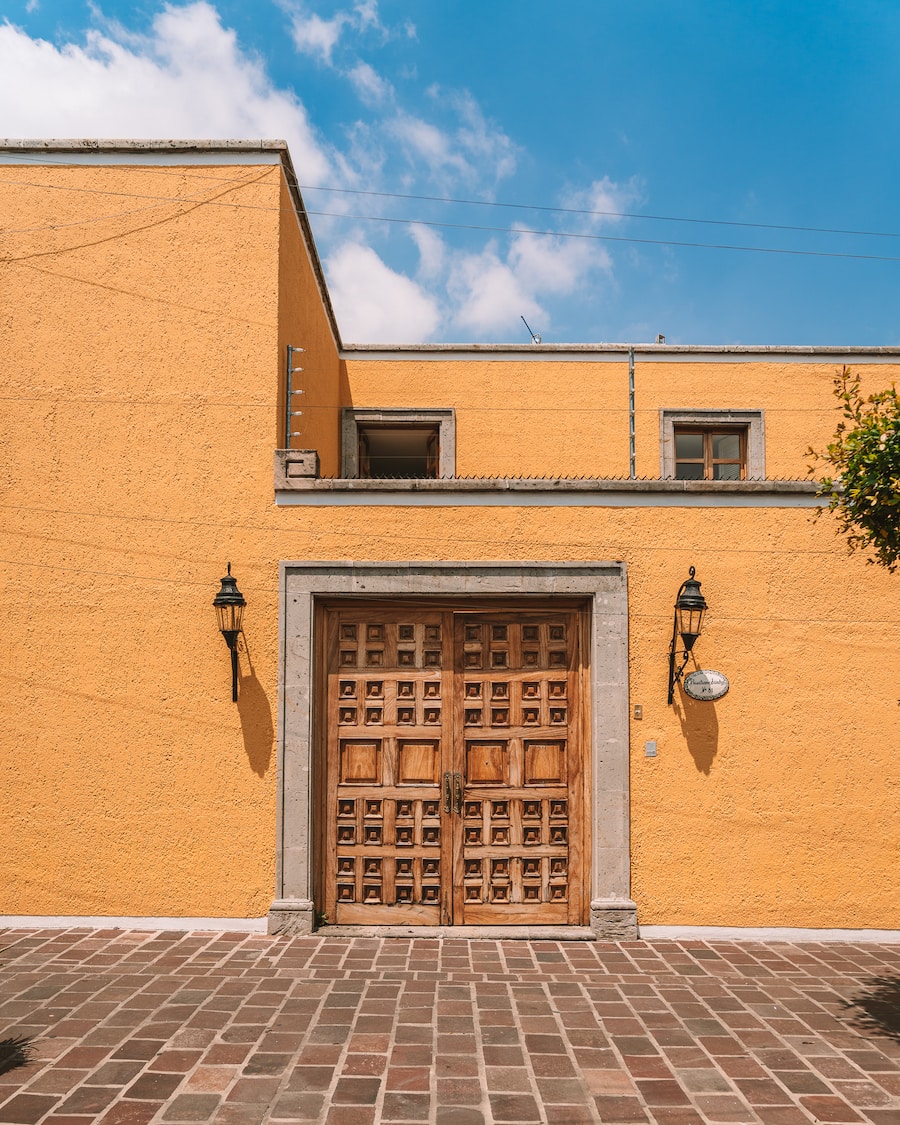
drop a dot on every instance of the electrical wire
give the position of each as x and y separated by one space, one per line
609 237
509 231
184 171
598 213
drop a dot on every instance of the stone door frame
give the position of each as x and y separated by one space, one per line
602 584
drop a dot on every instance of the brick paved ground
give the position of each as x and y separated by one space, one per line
130 1028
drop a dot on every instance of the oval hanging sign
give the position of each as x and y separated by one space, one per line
706 684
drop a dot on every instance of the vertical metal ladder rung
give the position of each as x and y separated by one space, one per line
291 391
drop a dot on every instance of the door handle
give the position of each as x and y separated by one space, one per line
448 793
458 792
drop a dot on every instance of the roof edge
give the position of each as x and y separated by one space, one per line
94 144
600 350
276 151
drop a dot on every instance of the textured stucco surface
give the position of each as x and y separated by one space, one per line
143 394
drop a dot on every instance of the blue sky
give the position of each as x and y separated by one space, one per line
637 119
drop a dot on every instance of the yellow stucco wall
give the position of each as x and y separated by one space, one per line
144 358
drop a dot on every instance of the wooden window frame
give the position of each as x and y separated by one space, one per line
708 460
752 422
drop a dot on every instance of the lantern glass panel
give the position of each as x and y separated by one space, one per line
229 618
689 625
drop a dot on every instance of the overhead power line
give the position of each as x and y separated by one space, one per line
608 237
510 231
598 213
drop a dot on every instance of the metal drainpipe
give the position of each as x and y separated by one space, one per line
631 464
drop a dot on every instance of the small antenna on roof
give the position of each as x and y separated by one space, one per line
535 338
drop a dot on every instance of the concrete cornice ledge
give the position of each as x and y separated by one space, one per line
293 490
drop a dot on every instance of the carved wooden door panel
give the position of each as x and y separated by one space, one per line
521 846
454 776
387 849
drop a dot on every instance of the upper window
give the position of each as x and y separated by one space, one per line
384 444
398 451
712 453
712 445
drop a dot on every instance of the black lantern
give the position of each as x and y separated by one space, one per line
229 603
690 605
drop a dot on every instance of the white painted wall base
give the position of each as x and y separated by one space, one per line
102 922
763 933
259 925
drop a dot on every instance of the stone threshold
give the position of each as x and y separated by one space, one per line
464 933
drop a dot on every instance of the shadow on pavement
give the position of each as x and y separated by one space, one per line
15 1052
877 1009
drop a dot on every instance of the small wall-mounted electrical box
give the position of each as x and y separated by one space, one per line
649 749
638 711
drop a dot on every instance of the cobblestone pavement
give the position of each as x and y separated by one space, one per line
129 1028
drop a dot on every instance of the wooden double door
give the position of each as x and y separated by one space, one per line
455 782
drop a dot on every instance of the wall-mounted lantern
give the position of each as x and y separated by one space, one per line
690 606
229 603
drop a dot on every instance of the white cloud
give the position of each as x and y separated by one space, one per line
472 150
426 143
314 36
367 13
369 85
484 142
432 253
491 290
376 304
606 197
487 294
555 265
188 79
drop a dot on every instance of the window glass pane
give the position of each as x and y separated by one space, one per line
726 472
688 445
726 447
398 451
686 470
